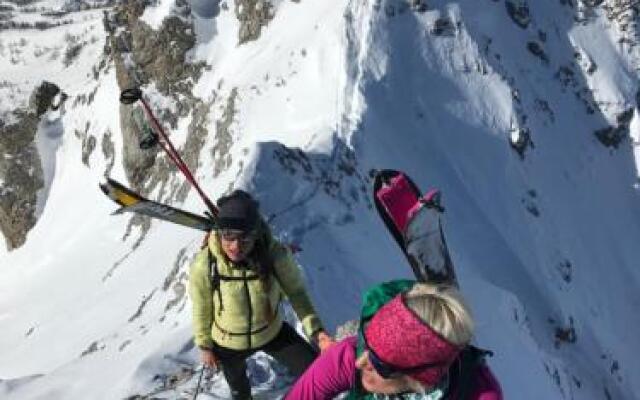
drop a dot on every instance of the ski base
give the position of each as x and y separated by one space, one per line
131 201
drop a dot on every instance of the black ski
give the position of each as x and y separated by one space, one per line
414 222
131 201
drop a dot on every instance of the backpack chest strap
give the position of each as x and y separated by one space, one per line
230 278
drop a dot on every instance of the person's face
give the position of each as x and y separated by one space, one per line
237 245
374 383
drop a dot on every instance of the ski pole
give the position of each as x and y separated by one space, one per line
130 96
195 395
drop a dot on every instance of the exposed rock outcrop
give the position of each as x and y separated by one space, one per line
142 56
612 136
518 10
253 16
21 175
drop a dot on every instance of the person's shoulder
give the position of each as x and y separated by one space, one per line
277 249
347 348
200 261
486 385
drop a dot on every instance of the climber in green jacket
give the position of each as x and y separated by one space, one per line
236 284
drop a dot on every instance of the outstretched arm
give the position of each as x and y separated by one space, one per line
290 280
330 374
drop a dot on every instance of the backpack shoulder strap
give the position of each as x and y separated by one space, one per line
462 371
214 277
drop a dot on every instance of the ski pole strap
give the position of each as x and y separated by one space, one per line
433 199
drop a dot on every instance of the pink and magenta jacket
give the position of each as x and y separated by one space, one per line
334 372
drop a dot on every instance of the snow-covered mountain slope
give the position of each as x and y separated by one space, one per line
525 115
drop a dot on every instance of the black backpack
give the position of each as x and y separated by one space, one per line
463 371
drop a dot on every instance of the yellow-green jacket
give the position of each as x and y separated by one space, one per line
229 322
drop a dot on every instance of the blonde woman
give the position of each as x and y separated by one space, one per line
413 344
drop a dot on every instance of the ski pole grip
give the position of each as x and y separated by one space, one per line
130 96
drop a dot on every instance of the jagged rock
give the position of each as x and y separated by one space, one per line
162 54
21 172
520 140
108 151
592 3
419 5
220 152
625 117
443 27
196 137
565 269
611 136
158 56
88 145
536 49
42 98
141 56
585 61
137 161
253 16
565 334
518 10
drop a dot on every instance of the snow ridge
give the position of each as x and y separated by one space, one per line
523 113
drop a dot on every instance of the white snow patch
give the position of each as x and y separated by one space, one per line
634 132
155 14
205 8
48 140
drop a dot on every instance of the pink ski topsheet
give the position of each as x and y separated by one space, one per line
398 198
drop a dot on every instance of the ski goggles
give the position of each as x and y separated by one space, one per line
388 370
243 237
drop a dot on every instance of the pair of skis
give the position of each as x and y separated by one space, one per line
411 218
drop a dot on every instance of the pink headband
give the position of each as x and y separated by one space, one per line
400 338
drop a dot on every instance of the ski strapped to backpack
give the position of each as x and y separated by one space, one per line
131 201
414 222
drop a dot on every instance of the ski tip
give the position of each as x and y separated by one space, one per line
119 211
104 187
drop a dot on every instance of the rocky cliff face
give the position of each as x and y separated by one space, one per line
21 174
154 59
253 16
158 58
144 56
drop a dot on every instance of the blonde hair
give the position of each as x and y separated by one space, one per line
443 309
